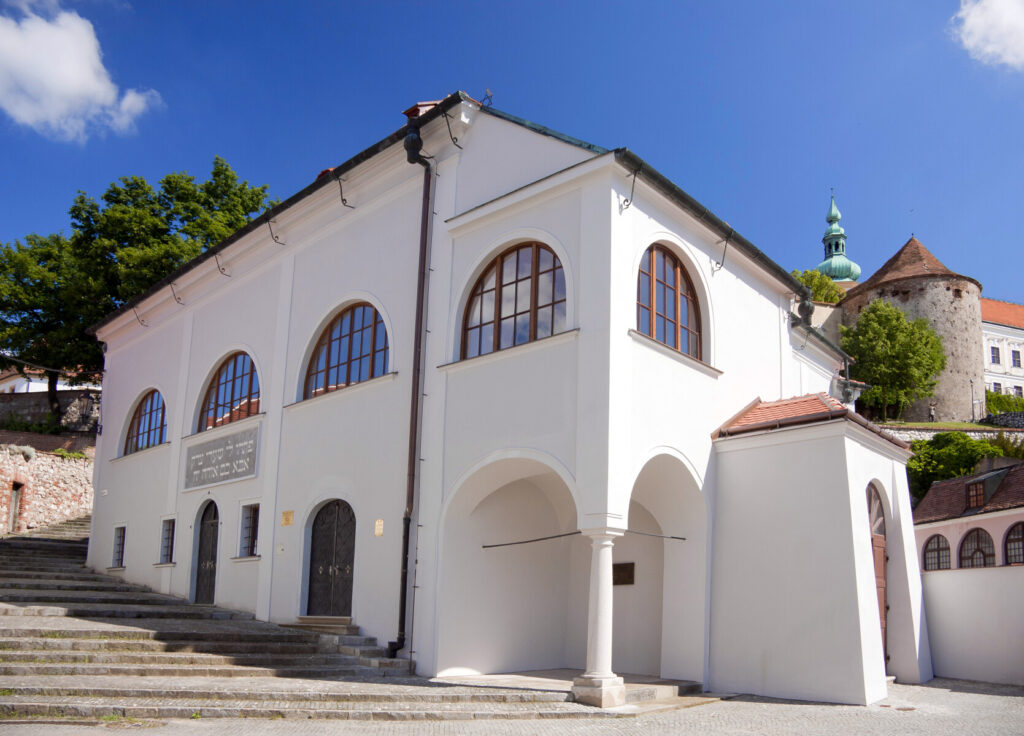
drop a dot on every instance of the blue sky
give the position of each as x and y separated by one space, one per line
755 108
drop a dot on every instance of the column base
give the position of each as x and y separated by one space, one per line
603 692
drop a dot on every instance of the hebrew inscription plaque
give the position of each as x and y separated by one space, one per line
227 458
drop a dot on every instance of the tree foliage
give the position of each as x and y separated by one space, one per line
823 288
900 360
52 288
946 455
1001 403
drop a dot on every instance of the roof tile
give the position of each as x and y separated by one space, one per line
947 499
1002 313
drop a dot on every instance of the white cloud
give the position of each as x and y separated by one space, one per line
992 31
52 76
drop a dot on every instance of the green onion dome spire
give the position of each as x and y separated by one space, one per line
836 265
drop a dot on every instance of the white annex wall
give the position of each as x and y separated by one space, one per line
975 623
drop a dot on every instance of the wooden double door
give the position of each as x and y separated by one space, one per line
331 561
206 559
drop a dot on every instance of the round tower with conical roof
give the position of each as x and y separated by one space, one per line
836 265
917 283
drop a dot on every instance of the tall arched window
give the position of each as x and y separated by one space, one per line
148 426
1013 549
520 297
352 348
977 549
666 303
233 393
936 553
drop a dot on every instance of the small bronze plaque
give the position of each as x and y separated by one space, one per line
378 528
287 517
622 573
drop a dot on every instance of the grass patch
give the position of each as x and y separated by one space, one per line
54 635
6 692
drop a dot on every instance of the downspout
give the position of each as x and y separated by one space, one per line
413 146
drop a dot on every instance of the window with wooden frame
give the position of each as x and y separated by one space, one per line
666 303
249 536
148 426
520 297
233 393
975 495
352 348
1013 548
936 553
977 550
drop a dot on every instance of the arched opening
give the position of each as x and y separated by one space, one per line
205 578
660 624
876 520
520 606
332 546
14 507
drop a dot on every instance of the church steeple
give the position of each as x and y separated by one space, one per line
836 265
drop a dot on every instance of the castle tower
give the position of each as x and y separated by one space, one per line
917 283
836 265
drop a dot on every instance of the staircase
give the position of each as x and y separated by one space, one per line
80 644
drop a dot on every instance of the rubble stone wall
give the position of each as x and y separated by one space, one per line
79 408
48 488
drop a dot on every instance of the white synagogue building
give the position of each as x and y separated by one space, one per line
478 332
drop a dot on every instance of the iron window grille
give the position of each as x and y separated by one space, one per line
248 539
117 559
233 393
352 348
666 304
148 426
167 542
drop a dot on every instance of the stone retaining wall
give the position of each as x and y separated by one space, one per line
909 435
1010 419
80 408
49 488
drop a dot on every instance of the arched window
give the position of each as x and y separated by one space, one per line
148 426
1013 549
936 553
233 393
666 303
977 549
520 297
352 348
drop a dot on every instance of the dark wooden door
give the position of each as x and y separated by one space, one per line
331 558
877 517
206 572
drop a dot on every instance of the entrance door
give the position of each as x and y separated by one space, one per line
15 507
877 518
331 557
206 572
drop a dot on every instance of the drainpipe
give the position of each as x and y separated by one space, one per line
413 147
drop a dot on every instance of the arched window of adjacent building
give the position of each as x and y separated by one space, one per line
1013 549
520 297
352 348
666 303
148 426
936 553
233 393
977 549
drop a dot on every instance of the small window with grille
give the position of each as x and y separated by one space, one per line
167 542
248 539
117 559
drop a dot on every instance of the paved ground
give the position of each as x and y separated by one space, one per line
943 707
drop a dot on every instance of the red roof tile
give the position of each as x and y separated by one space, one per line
1002 313
947 499
820 407
913 259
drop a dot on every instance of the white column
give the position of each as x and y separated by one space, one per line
598 685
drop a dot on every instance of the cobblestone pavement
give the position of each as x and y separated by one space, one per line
942 707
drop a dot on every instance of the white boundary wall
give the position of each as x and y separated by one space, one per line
975 623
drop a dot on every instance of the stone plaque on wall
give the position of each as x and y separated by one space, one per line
226 458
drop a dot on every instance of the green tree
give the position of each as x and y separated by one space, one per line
53 287
823 288
946 455
1001 403
899 359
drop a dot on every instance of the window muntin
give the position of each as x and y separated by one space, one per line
249 536
148 425
1013 548
519 298
1015 358
117 558
167 542
975 495
977 549
936 553
233 393
666 304
997 387
351 349
995 355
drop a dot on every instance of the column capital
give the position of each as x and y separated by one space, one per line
603 532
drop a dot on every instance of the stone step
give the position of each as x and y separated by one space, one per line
64 707
187 670
62 574
87 595
46 583
99 610
338 629
186 634
37 644
177 659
